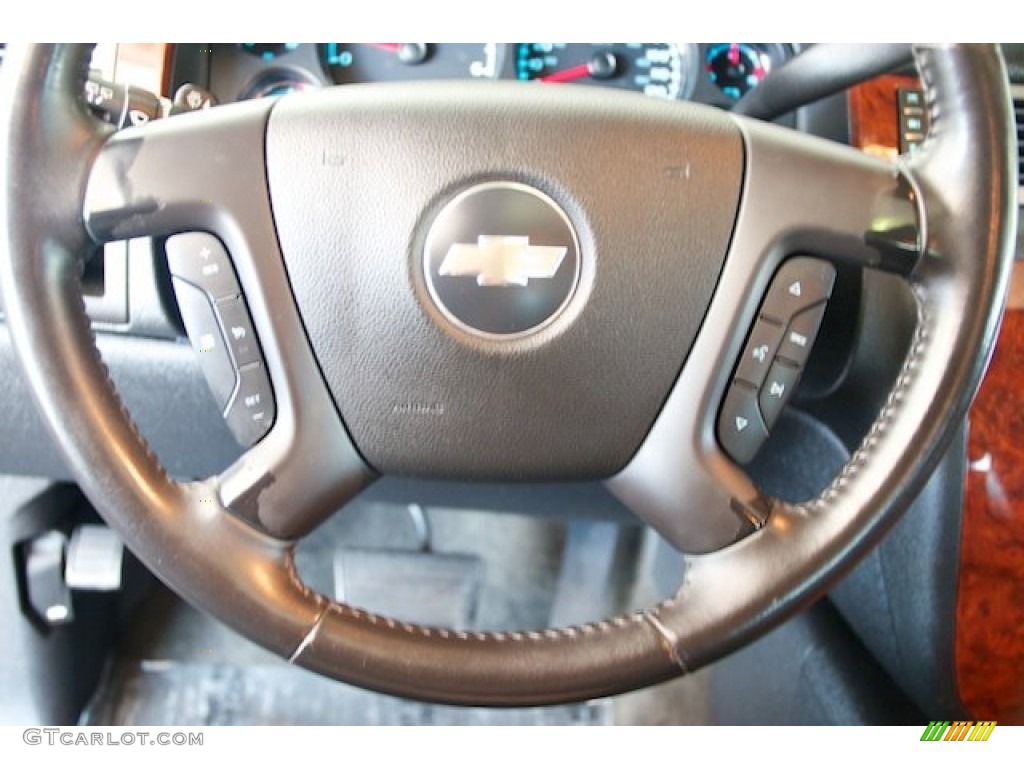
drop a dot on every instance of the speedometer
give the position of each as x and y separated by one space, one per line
662 70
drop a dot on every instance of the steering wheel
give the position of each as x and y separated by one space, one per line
341 212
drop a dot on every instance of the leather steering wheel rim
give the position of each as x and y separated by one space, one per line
243 572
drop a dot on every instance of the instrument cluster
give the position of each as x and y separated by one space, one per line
713 73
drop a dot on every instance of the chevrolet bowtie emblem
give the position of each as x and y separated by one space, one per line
527 285
502 260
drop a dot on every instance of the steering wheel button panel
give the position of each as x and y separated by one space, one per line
207 340
219 327
776 351
760 351
252 410
800 334
200 259
800 283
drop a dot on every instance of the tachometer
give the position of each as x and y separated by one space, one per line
737 68
376 62
662 70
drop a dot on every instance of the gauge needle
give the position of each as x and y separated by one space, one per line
408 53
566 75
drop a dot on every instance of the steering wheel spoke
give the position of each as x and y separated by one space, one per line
204 174
805 195
802 197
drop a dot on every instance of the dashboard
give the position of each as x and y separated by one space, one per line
712 73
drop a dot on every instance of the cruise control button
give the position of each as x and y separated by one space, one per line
252 410
206 339
760 350
800 335
800 283
200 259
238 331
777 388
741 430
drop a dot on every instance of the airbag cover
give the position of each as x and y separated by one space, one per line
358 175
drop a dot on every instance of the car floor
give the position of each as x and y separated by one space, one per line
176 666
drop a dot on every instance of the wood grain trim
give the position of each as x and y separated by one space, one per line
874 114
146 65
990 600
1016 297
